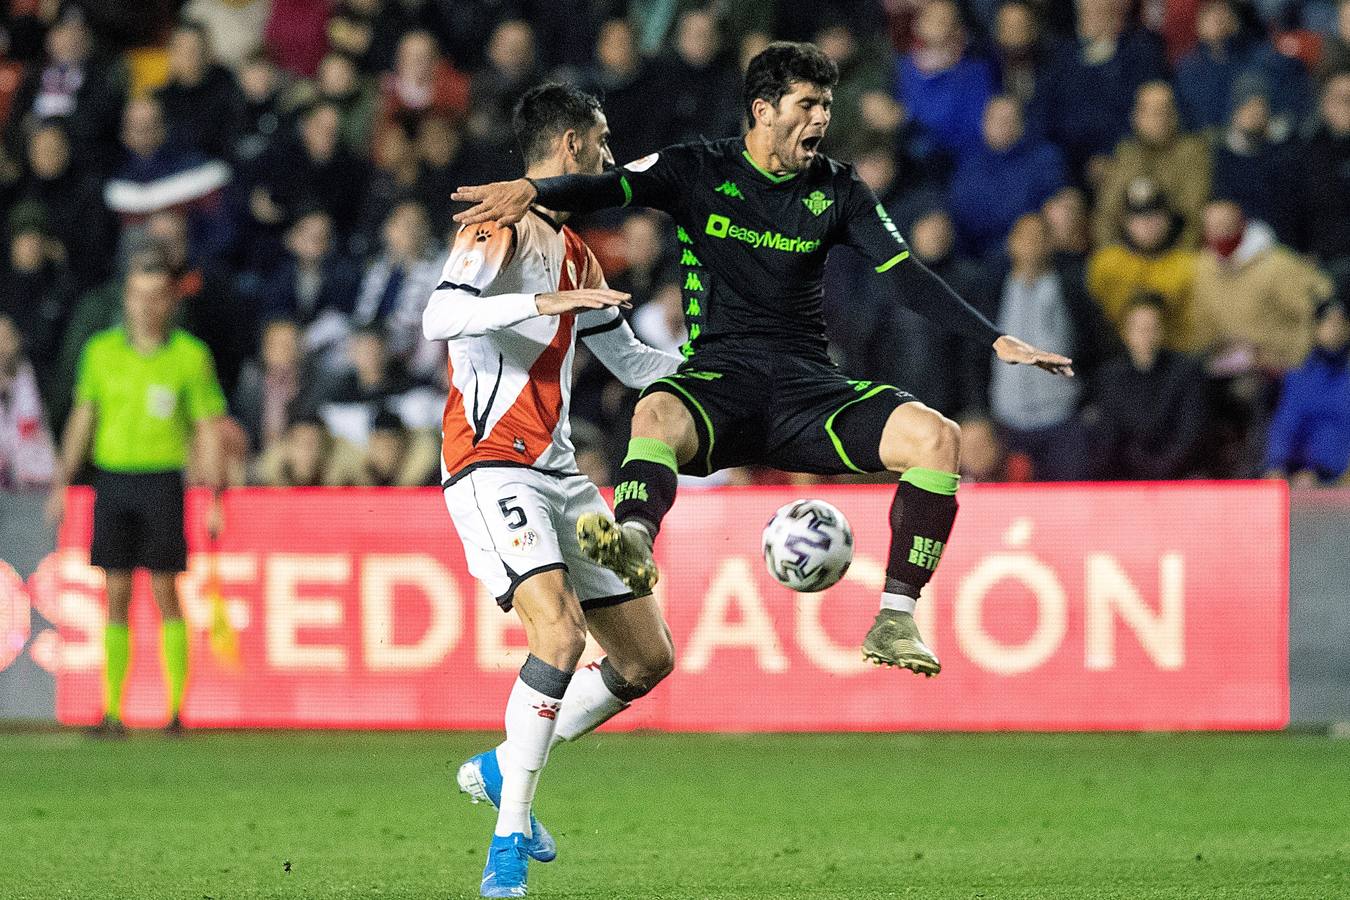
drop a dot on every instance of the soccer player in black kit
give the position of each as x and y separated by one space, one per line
756 217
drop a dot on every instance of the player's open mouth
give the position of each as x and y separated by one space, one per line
809 144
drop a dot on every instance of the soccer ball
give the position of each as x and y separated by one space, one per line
808 545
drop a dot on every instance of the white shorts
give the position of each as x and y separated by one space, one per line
516 522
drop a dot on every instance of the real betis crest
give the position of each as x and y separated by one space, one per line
817 203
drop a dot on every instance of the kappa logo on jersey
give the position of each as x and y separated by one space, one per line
730 189
643 164
817 202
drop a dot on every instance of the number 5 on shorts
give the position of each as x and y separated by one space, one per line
514 515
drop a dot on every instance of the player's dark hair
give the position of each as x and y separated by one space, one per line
773 70
546 112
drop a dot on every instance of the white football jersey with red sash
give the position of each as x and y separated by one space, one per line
511 368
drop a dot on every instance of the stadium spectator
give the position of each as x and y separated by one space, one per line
296 34
395 456
628 83
70 195
644 253
1336 47
1228 50
1325 175
1093 81
233 28
660 321
1146 258
368 31
941 82
275 387
1309 440
1023 54
306 456
75 86
510 69
1070 234
393 178
443 164
862 70
207 306
1254 299
983 458
373 380
143 388
154 176
701 91
258 119
27 457
314 277
340 83
1008 174
1038 416
38 291
940 368
1157 439
1254 170
421 82
199 97
397 283
314 172
1178 163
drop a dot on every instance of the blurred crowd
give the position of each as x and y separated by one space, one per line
1160 190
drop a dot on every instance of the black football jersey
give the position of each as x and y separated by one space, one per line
753 244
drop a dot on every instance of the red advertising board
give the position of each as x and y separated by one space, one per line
1056 607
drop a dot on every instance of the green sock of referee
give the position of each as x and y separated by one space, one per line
173 636
117 650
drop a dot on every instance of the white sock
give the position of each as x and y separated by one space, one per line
531 716
587 705
898 602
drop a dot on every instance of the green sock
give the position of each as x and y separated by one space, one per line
117 654
173 633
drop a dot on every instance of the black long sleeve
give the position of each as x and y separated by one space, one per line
929 296
582 193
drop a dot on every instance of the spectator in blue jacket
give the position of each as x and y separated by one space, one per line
1310 436
942 85
1007 174
1227 51
1095 78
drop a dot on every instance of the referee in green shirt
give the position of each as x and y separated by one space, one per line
141 389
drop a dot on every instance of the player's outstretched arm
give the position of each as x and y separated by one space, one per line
616 346
455 313
506 202
1019 352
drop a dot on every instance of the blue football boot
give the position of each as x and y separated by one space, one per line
481 779
507 867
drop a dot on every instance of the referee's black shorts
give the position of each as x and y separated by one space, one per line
138 521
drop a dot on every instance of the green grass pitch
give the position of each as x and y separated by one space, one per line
342 815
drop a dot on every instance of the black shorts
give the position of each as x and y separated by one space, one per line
790 413
138 521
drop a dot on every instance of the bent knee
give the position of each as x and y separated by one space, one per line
926 439
647 670
662 416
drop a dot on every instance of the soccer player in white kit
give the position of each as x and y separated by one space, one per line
511 304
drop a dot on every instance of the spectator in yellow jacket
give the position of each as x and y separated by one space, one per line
1145 259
